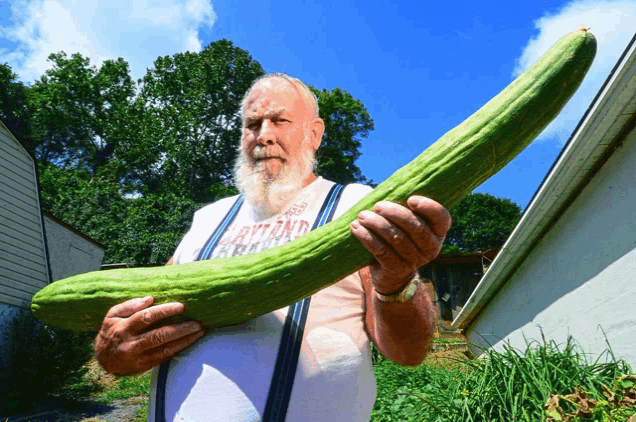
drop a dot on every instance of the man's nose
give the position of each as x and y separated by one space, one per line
266 134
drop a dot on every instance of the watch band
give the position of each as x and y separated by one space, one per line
404 295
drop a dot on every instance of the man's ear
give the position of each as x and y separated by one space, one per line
317 131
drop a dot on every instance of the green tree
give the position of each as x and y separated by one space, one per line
481 222
153 227
193 101
80 111
14 107
347 121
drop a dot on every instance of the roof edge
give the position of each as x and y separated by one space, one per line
73 229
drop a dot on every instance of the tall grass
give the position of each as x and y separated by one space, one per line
505 385
514 385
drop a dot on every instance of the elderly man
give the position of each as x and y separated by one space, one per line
226 374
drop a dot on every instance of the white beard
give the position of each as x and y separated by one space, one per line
270 195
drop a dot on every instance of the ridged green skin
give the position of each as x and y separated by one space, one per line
229 291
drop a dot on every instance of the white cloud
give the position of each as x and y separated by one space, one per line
613 24
138 31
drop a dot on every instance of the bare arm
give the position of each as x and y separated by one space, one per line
401 331
402 240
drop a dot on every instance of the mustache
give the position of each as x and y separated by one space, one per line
259 153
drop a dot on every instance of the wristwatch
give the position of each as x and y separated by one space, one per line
404 295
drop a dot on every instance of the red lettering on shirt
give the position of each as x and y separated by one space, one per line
227 236
240 238
254 230
303 228
295 210
287 229
265 227
273 233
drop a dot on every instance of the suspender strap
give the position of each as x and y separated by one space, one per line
160 398
291 340
208 248
204 253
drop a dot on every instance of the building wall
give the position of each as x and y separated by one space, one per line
23 266
70 253
454 282
580 279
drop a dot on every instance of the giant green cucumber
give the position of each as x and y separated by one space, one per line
233 290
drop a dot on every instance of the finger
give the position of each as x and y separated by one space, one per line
391 234
164 335
163 353
411 224
130 307
426 243
386 256
438 217
145 318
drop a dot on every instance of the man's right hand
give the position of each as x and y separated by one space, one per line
126 345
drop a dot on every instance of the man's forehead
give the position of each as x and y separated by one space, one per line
264 108
272 96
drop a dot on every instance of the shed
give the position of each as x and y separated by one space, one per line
24 265
36 247
454 277
70 251
569 266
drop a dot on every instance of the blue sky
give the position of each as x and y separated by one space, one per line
420 67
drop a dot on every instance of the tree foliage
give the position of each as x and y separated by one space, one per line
481 222
346 122
14 107
128 163
79 111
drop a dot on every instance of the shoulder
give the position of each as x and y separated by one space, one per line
356 191
214 211
351 194
204 222
352 190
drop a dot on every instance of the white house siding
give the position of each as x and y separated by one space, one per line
580 279
23 264
69 252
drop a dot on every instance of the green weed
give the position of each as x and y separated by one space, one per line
131 386
545 380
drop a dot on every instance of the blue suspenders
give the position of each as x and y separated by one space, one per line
208 248
291 339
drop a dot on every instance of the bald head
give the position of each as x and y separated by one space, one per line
271 79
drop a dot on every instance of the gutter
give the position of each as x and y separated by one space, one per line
603 127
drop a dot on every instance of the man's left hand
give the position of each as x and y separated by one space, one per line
401 239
